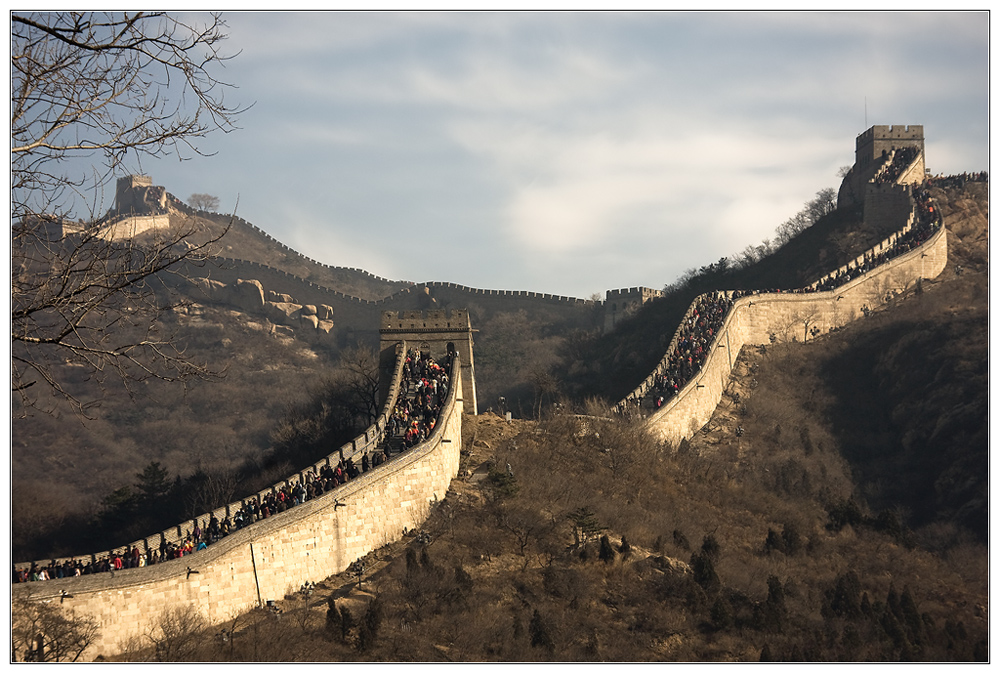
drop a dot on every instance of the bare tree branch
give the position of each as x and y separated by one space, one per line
88 295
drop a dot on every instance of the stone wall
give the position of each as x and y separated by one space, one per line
786 316
624 302
237 221
273 557
435 332
363 317
128 227
886 207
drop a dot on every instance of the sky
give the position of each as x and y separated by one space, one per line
568 152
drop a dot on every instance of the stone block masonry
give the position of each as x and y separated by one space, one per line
785 316
273 557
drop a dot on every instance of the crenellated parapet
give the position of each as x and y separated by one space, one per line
918 251
272 557
434 332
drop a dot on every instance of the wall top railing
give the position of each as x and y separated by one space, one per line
352 452
914 232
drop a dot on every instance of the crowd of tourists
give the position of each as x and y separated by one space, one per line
693 341
697 332
423 390
926 222
901 159
957 180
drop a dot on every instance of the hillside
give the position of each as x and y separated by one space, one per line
834 509
565 541
609 365
532 358
62 466
246 242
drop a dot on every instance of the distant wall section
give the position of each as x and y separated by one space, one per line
754 319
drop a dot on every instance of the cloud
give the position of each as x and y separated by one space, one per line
570 190
553 149
335 243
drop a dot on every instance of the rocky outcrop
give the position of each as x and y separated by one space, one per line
250 296
281 312
279 297
247 295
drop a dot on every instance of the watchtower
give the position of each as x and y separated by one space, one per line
872 149
875 144
622 303
434 332
136 195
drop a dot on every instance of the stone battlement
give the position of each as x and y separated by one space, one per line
432 320
897 131
640 291
272 557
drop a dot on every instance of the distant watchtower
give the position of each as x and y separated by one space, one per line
620 304
872 150
434 332
875 144
136 195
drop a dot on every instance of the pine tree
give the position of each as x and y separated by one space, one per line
332 617
346 623
704 573
722 614
370 625
585 524
607 553
540 636
710 547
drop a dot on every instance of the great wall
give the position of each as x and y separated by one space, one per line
316 539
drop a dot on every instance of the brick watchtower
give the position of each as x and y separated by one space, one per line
435 332
136 195
872 150
875 144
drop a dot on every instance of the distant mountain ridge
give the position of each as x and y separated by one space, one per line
248 242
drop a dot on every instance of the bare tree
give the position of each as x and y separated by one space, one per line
45 632
178 634
203 202
101 90
107 85
359 376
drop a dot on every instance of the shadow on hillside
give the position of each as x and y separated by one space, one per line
912 409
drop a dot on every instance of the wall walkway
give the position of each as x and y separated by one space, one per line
761 318
273 557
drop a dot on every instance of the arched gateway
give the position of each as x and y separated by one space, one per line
438 332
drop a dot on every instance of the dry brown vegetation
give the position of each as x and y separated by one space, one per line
62 466
599 545
834 509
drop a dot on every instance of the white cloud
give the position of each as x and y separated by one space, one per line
536 142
